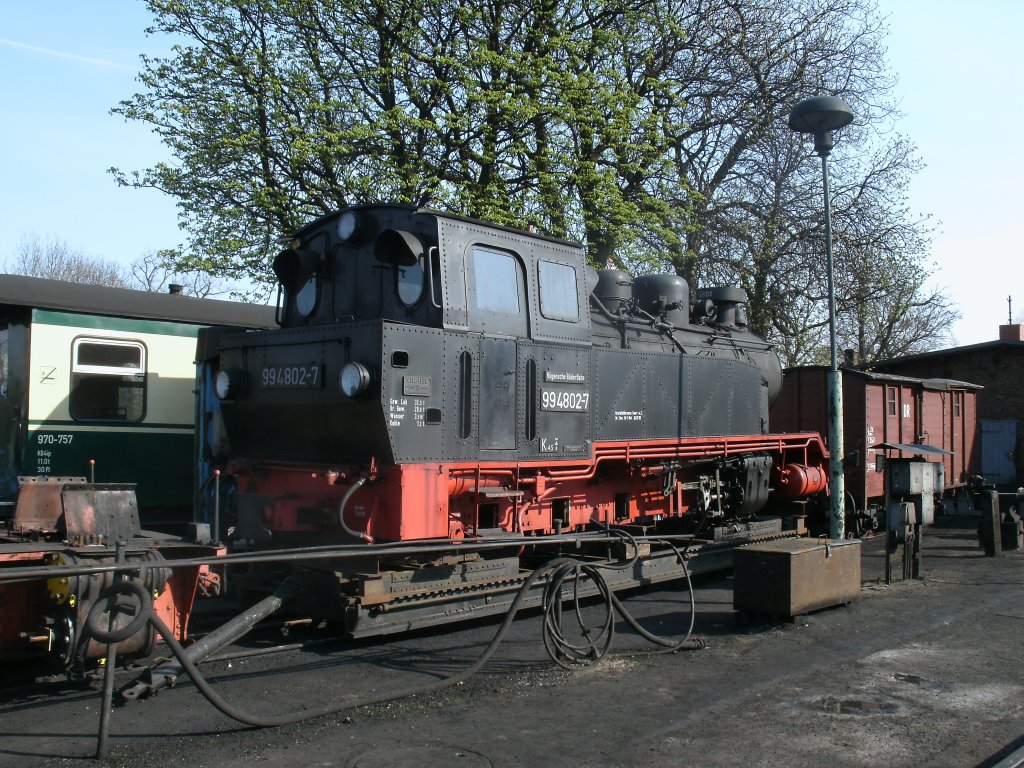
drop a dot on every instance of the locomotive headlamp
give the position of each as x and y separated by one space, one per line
230 383
348 225
354 379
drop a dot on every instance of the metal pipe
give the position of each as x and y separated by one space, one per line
167 673
341 513
417 547
460 484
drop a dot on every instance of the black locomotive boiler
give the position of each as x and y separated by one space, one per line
437 378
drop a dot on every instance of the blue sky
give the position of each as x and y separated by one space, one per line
64 64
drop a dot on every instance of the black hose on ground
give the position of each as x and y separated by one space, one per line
351 702
668 645
165 674
560 570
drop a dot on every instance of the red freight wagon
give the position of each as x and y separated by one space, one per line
883 408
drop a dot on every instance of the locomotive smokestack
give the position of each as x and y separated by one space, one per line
175 288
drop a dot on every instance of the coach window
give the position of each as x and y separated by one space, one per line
108 380
497 296
558 297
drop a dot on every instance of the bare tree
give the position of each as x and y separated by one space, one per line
155 271
57 260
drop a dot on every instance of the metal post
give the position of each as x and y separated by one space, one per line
216 506
820 116
108 673
837 484
890 534
915 566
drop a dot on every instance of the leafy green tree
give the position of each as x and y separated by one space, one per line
653 132
276 112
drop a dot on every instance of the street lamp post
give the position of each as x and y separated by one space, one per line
820 115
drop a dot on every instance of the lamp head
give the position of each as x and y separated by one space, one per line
820 115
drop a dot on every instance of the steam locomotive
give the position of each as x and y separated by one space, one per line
440 379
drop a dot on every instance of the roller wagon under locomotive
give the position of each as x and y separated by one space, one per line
438 378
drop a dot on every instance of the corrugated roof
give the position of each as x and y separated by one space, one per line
941 385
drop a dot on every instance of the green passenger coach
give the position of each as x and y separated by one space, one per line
99 383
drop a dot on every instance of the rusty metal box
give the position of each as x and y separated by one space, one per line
793 576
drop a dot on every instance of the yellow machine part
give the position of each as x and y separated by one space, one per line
59 589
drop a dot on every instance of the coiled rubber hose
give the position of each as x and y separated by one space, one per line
597 637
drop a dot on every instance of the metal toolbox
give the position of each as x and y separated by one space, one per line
794 576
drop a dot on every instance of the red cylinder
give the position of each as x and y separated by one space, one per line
797 480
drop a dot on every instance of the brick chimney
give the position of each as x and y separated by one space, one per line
1014 332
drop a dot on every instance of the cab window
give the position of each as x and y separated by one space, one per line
496 282
558 297
497 298
108 380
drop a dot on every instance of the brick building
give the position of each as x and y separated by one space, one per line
998 366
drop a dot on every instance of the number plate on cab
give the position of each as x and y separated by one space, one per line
291 376
564 400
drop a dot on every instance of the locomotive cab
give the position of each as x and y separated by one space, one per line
410 335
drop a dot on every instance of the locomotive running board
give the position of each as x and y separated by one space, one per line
446 603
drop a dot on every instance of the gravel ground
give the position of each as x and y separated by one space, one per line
920 673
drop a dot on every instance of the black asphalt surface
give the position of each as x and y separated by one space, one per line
917 673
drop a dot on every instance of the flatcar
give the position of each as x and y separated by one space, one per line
97 383
437 378
882 410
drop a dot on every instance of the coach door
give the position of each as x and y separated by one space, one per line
11 408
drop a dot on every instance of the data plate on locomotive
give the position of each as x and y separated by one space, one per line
570 401
308 376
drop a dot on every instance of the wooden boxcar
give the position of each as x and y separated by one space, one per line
883 408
